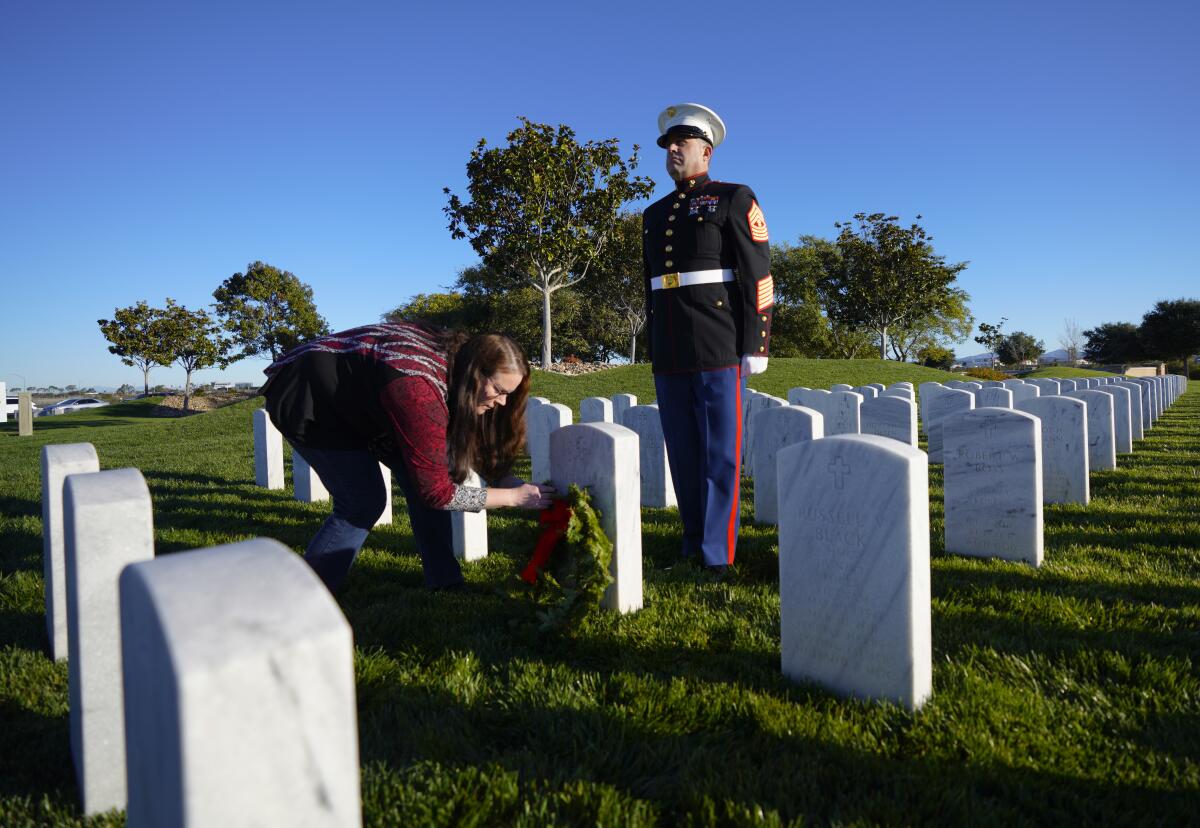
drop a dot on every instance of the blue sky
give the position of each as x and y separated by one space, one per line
152 149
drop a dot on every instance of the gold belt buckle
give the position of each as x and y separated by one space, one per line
670 280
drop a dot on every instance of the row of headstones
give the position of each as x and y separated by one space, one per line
207 687
854 539
24 410
216 686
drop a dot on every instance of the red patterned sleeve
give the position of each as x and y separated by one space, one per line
419 419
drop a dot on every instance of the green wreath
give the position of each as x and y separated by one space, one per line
573 581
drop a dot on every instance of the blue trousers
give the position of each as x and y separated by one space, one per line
355 483
701 416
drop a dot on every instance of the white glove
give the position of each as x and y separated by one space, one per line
753 364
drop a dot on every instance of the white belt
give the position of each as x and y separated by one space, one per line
693 277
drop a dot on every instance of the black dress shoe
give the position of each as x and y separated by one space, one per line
459 587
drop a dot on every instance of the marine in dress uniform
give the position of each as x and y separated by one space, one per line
709 297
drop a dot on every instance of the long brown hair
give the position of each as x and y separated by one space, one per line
488 442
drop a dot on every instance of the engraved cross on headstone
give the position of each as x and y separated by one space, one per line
839 469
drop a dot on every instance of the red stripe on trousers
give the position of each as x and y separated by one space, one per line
731 532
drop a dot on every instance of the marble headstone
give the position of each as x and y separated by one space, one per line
1024 391
58 461
868 392
603 458
756 403
890 416
240 701
994 397
1102 447
658 490
993 484
268 452
854 567
24 414
468 530
1122 416
547 418
595 410
306 483
622 403
778 428
107 517
943 404
1064 448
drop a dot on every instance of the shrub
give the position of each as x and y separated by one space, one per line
987 374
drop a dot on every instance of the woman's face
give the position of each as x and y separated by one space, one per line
495 390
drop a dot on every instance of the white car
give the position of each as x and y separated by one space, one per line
12 404
72 404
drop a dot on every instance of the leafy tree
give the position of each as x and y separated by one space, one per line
542 209
135 338
1071 339
948 320
446 310
125 390
1171 330
267 310
192 339
616 292
889 276
799 327
990 336
1020 347
1113 342
936 356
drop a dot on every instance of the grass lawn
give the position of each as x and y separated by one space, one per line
1066 695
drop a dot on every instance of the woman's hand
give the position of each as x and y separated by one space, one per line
531 496
521 495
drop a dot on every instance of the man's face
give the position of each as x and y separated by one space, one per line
687 157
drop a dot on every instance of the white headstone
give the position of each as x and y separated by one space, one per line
622 403
306 483
1064 448
890 416
1065 385
386 517
902 393
25 414
991 384
1148 414
595 410
994 397
841 386
943 404
545 420
658 490
1135 408
58 461
1012 383
1024 391
603 457
1102 447
468 530
1122 417
926 392
842 411
107 516
993 484
239 677
531 404
1049 387
3 402
867 392
757 402
778 428
879 386
268 452
854 567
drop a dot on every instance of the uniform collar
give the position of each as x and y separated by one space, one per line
693 183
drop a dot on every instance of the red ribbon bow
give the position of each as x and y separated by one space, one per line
554 525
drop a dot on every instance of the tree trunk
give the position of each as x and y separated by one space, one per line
883 343
545 329
187 391
146 380
633 349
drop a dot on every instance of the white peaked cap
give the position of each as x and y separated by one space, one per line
692 118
